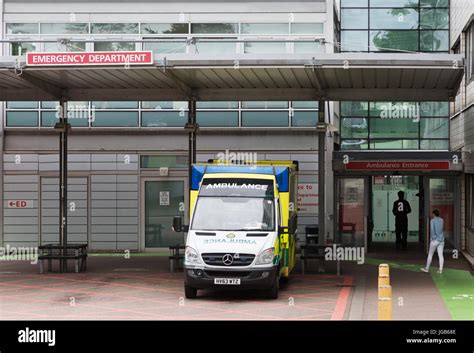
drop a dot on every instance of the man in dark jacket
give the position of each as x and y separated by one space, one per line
401 208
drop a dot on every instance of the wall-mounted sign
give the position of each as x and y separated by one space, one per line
20 204
90 58
307 198
400 165
164 198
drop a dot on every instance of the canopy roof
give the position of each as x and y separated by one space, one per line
335 77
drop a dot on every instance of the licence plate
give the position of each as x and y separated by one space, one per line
227 281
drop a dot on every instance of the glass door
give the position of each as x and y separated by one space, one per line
351 211
163 199
443 195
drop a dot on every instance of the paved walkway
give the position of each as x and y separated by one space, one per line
141 289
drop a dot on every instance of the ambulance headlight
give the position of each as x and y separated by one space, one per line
191 256
266 257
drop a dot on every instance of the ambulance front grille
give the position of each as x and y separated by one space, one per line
217 259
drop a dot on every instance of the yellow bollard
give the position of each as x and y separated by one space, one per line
385 308
385 291
384 270
384 280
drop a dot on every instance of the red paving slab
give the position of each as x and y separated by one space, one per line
151 293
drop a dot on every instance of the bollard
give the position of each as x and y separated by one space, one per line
384 270
385 308
384 280
385 291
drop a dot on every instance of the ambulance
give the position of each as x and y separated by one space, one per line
242 229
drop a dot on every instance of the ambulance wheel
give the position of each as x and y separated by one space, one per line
272 293
190 292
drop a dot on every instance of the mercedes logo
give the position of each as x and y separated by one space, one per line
227 259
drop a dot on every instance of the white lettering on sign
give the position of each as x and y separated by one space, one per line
237 186
90 58
164 198
20 204
308 198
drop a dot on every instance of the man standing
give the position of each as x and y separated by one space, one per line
401 208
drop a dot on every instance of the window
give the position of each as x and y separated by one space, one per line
22 48
307 28
393 19
22 28
395 25
158 105
114 28
177 46
68 47
115 104
264 28
354 41
214 28
164 161
394 125
354 19
469 35
215 47
64 28
22 119
115 119
264 119
164 28
394 40
264 47
114 46
164 119
217 119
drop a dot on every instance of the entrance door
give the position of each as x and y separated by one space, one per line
384 193
351 211
443 196
162 199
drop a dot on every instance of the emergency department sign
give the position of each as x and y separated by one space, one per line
90 58
307 198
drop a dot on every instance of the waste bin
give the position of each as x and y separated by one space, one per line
312 232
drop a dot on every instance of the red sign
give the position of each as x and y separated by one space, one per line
20 203
90 58
401 165
379 180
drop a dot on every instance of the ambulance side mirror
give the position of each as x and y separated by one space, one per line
178 224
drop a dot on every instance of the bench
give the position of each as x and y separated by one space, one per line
63 253
316 252
176 255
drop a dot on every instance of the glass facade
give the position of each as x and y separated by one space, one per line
165 114
395 25
209 38
394 125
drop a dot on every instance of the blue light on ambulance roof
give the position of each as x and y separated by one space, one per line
281 173
196 176
240 169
